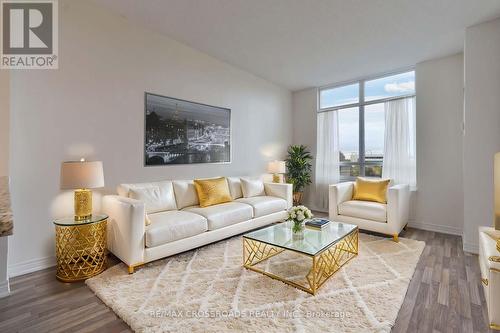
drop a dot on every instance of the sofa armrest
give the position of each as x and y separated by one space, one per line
126 228
337 194
280 190
398 207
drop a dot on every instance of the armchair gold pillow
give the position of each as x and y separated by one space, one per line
371 190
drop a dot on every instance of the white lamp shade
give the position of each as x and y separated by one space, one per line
276 167
79 175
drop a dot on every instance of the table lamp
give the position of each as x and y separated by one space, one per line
82 176
276 168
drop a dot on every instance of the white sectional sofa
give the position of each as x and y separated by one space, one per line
178 223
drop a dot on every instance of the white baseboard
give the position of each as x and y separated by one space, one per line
436 228
471 248
418 225
313 207
319 210
29 266
4 288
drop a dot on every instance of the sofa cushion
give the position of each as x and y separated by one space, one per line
185 193
235 187
367 210
157 196
170 226
223 215
264 205
252 187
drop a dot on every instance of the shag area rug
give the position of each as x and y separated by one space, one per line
208 290
5 211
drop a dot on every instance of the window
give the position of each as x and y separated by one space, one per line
344 95
361 120
374 139
348 142
390 86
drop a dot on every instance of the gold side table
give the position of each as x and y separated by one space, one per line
80 247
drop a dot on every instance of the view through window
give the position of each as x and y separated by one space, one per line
361 120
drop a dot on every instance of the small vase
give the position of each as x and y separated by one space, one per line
298 230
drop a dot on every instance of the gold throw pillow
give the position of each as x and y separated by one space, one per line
212 191
371 190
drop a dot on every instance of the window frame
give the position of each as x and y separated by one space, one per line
361 109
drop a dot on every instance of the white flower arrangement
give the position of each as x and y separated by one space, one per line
298 214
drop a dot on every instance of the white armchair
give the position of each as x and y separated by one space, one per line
388 219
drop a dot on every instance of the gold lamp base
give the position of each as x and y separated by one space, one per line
83 204
498 245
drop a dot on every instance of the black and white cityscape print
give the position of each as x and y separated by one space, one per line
182 132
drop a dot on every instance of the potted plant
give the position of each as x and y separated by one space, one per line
298 164
298 216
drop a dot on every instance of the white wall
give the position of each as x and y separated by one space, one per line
439 86
93 106
482 126
4 122
304 105
4 169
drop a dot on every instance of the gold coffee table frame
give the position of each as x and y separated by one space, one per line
323 264
80 248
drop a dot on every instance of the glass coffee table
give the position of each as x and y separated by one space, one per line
305 264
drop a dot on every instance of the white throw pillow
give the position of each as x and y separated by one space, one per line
234 187
151 196
185 193
159 198
252 187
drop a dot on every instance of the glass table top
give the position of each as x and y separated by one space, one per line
314 240
70 221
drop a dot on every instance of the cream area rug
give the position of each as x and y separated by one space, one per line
208 290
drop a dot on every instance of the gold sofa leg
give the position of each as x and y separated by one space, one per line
395 238
494 326
131 268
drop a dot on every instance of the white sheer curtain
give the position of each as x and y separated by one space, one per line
399 146
327 157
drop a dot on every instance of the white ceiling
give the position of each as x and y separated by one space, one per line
305 43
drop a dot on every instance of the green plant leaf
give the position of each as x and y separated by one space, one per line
298 163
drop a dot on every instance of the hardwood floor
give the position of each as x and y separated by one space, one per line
444 295
40 303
